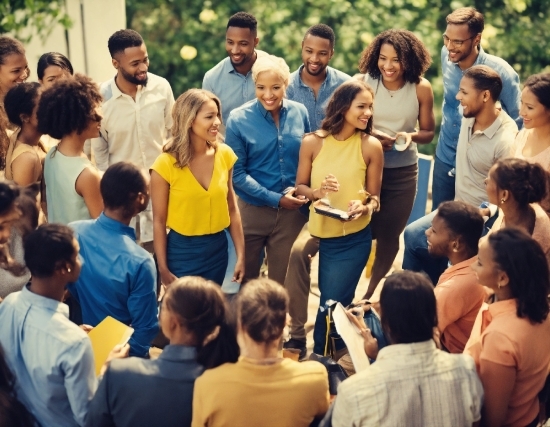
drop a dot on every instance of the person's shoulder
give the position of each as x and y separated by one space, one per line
370 141
338 76
308 368
155 80
214 72
105 89
423 85
82 225
500 65
131 366
227 371
225 150
313 138
242 112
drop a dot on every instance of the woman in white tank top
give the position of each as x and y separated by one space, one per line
393 64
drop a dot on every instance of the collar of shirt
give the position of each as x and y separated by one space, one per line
496 309
326 82
406 350
115 226
488 132
463 267
267 115
117 92
49 304
177 353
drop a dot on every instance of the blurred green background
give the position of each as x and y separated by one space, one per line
185 38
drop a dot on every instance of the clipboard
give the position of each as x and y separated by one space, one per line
105 336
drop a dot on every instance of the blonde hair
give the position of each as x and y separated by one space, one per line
184 113
271 63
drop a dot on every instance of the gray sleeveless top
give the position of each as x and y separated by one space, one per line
396 112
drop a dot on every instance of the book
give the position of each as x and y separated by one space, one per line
105 337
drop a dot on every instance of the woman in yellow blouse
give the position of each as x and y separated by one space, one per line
342 164
192 195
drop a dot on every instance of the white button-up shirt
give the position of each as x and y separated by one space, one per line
411 385
50 356
134 131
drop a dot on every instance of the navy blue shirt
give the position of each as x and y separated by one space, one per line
267 156
118 279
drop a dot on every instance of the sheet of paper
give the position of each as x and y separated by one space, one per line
105 336
354 341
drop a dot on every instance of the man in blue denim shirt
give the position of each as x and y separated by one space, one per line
312 85
314 82
231 79
266 135
462 50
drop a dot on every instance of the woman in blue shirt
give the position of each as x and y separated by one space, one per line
266 134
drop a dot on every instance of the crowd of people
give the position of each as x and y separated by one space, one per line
119 200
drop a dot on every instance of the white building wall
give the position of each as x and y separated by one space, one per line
85 43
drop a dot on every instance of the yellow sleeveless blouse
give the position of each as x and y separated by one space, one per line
344 160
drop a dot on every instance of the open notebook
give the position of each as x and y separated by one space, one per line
105 336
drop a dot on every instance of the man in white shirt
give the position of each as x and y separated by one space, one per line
412 383
137 115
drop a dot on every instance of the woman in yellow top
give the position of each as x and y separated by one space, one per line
192 195
342 164
26 153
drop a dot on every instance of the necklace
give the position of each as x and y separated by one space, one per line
393 92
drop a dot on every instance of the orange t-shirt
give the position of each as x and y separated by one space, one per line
512 341
459 298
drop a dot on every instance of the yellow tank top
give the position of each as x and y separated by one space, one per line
344 160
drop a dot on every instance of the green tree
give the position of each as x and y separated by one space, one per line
40 16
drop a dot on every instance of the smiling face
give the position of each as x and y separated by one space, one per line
486 269
240 44
14 70
207 122
533 113
468 49
132 64
389 65
440 240
52 74
270 90
470 98
316 54
360 110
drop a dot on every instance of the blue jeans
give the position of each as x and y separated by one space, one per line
443 185
416 256
341 262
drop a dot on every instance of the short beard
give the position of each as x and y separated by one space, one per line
131 79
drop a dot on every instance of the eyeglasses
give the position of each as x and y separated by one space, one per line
455 43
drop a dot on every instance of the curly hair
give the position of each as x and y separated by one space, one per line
68 106
523 260
411 52
340 102
526 181
184 112
21 99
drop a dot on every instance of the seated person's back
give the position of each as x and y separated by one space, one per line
261 389
135 392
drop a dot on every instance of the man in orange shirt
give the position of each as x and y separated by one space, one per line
454 234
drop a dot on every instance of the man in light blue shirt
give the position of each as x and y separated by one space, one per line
312 85
118 277
231 79
462 50
314 82
50 356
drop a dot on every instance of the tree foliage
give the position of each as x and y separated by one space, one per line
185 38
27 18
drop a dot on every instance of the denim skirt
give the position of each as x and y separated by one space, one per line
204 256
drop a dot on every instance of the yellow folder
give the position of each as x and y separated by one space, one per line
105 336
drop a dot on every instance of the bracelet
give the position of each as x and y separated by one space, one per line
374 199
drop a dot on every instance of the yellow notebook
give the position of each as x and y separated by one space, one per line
105 336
